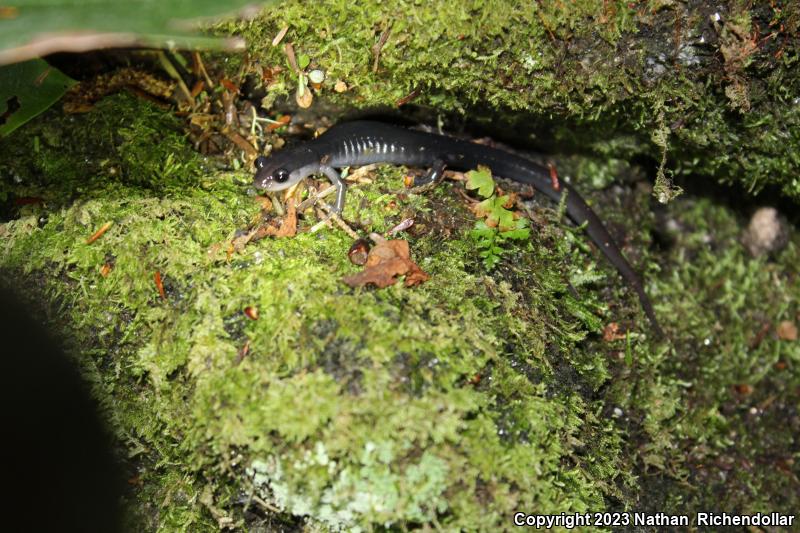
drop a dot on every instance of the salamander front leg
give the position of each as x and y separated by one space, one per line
341 188
432 178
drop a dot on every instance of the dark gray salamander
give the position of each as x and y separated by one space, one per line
365 142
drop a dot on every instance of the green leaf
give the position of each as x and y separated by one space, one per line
303 61
26 90
481 179
518 234
505 219
483 234
496 215
34 28
491 262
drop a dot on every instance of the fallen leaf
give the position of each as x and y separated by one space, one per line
289 223
787 331
415 276
279 122
287 227
388 259
106 269
264 202
281 34
229 85
238 243
612 333
511 200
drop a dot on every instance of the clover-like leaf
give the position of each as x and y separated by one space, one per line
481 180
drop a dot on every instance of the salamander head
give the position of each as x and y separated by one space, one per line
284 169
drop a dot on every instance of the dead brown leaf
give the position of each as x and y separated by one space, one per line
787 331
612 332
287 227
289 223
237 244
264 202
387 260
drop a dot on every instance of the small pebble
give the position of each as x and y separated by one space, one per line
767 232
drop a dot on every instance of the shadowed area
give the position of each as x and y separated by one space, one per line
59 466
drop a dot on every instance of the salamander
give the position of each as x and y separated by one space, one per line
365 142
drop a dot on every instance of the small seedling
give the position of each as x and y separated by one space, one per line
499 225
300 65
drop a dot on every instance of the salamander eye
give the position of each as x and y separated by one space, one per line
281 175
261 161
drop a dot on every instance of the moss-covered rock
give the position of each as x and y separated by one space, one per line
437 404
535 387
449 405
706 89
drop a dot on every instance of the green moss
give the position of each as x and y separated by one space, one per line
449 405
428 42
119 143
432 405
596 75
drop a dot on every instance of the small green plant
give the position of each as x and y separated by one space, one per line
498 225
